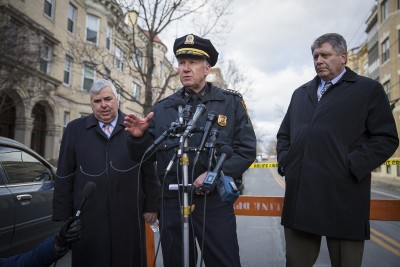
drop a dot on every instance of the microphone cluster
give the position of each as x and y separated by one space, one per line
184 127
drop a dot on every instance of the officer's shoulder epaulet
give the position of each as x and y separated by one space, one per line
163 99
232 92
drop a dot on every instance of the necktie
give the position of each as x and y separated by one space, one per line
106 129
195 99
323 90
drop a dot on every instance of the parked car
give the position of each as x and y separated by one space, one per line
26 194
261 157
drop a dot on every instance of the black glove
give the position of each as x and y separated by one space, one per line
69 233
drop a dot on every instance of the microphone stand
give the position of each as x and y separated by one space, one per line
185 209
184 161
182 154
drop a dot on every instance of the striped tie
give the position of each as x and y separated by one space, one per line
106 129
323 90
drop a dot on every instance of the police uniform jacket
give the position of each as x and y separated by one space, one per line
327 150
112 223
234 126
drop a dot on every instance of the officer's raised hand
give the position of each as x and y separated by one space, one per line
137 126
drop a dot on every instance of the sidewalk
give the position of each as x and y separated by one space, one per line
389 183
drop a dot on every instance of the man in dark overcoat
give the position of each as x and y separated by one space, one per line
113 228
338 128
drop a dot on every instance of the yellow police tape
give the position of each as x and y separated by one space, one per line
389 162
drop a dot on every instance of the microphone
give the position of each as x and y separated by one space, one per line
211 178
163 136
211 119
179 105
212 140
88 191
200 109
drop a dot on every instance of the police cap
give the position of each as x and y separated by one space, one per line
196 46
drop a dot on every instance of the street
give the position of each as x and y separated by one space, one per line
261 239
262 242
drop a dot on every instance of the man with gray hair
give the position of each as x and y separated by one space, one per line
93 149
338 128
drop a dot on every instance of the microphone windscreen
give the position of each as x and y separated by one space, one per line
212 116
179 102
226 150
90 187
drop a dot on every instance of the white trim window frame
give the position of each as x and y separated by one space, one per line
137 58
119 58
136 88
92 29
109 33
71 22
68 70
48 9
46 52
89 73
385 50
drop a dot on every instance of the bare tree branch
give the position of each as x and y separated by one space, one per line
142 46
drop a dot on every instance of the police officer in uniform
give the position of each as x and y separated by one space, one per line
195 57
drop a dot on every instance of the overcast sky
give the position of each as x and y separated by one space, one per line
270 42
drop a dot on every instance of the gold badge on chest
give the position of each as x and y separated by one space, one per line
222 120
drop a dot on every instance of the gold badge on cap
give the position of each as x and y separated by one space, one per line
189 39
222 120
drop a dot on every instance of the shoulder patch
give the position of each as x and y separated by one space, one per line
233 92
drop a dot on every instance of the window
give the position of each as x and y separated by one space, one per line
22 167
398 40
119 58
384 10
385 50
71 18
161 70
388 169
386 87
10 40
136 88
108 37
88 76
92 28
46 51
138 57
67 69
66 119
49 8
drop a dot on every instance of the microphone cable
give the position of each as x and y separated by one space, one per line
138 209
138 205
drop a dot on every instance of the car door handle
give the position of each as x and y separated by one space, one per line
24 197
